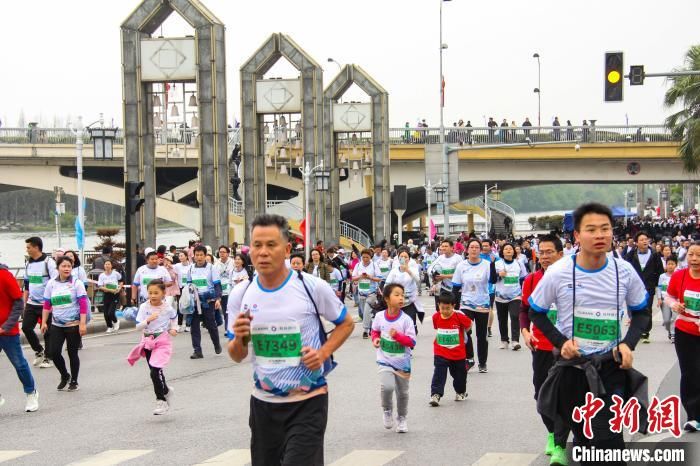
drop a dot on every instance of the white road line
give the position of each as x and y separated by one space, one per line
111 457
7 455
236 457
505 459
367 458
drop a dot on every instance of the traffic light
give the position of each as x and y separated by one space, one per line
613 77
133 198
636 75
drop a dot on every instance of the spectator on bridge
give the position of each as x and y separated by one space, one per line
513 132
492 129
407 133
584 132
526 124
569 131
556 130
503 133
469 132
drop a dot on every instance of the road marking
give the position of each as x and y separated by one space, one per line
235 457
505 459
7 455
367 457
111 457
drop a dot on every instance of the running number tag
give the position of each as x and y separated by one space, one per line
200 282
389 346
145 281
277 344
448 337
35 279
384 269
552 314
59 300
448 272
510 280
664 287
691 299
595 329
363 285
224 287
111 286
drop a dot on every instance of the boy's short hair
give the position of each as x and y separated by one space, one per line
445 298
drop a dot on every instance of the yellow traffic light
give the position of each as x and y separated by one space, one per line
613 77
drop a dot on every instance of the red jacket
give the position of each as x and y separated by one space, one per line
9 293
529 286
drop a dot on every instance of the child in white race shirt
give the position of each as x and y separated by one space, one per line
158 321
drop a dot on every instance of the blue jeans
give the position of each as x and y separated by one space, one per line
12 348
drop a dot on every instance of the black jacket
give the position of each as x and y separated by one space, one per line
653 270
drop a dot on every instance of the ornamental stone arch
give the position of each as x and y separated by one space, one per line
147 60
353 118
265 96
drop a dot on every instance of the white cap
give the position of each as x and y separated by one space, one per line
147 251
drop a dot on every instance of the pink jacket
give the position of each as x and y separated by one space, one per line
161 349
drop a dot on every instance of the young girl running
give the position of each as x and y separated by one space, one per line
158 320
394 337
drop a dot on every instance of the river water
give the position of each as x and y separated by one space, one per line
12 246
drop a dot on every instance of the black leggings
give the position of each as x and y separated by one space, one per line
411 311
71 336
687 349
481 321
109 308
503 310
157 377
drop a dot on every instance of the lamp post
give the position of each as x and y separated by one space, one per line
331 60
428 191
80 234
440 199
497 193
538 90
322 180
445 155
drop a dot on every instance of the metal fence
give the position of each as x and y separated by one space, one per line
456 135
357 235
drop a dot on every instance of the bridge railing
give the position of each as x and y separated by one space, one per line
285 209
354 233
235 207
502 207
518 134
397 136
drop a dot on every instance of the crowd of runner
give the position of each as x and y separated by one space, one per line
583 301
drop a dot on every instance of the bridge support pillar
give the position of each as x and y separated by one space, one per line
470 222
688 197
641 200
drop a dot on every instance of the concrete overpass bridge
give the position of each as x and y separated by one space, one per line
43 158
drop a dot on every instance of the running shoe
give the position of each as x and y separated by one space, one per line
2 400
504 345
109 330
187 329
161 407
196 355
489 332
45 364
435 400
388 419
672 338
116 326
461 396
516 346
32 402
691 426
549 449
169 395
645 338
470 364
73 387
217 349
63 383
38 358
402 425
483 369
559 457
365 335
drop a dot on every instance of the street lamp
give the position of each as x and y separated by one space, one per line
330 60
445 155
496 197
440 192
537 90
103 142
428 191
322 176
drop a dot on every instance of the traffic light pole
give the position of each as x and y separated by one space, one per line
132 204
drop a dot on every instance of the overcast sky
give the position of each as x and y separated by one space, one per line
63 57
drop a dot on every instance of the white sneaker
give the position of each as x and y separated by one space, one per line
504 345
161 408
169 395
2 400
45 364
109 330
691 426
461 396
388 419
187 329
434 400
39 358
32 402
402 426
116 326
180 329
515 346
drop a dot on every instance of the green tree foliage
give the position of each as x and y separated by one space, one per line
685 123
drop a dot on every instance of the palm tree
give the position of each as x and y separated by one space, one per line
685 124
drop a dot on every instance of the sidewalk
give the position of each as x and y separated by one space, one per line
96 325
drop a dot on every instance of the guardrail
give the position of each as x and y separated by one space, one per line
502 207
460 135
235 207
354 233
285 209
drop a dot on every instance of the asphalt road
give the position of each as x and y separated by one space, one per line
110 421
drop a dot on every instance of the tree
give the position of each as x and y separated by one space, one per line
685 124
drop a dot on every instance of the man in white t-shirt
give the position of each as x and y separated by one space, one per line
291 353
144 275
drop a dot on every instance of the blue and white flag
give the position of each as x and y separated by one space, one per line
79 234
